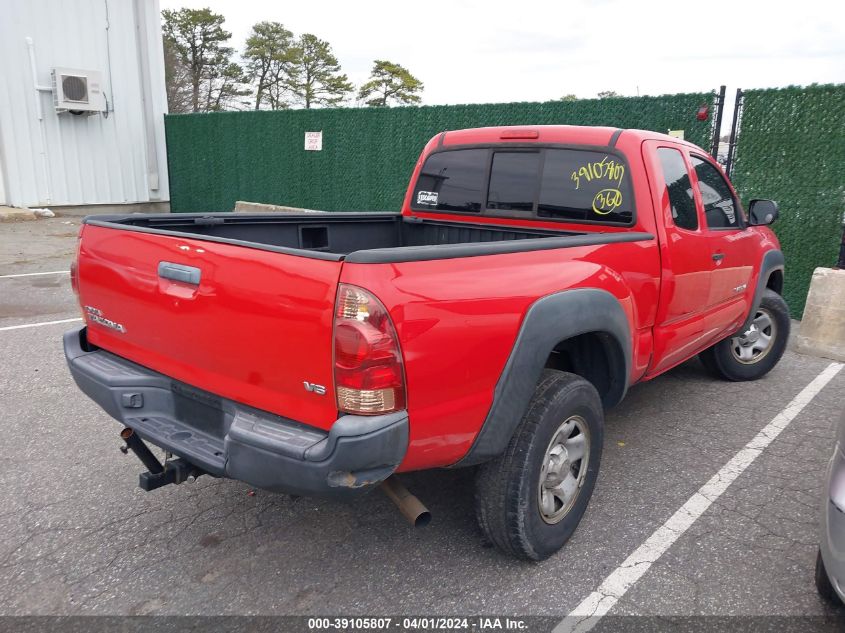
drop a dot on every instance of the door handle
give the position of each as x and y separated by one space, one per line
718 257
179 272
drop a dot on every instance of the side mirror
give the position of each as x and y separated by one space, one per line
762 212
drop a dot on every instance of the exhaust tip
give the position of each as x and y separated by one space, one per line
126 433
423 519
411 508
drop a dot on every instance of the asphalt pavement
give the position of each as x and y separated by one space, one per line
77 536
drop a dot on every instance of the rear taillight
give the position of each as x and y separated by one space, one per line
368 371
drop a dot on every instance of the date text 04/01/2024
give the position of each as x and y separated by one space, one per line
416 623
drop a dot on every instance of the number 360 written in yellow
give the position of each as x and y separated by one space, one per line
606 201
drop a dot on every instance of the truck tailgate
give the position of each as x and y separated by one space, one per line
254 328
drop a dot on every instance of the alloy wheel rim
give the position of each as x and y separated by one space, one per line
564 469
756 342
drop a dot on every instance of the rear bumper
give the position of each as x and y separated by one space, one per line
832 544
229 439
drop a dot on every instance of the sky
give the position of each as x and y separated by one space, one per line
467 51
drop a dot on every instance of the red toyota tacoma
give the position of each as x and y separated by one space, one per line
533 275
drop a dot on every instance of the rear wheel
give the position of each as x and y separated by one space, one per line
530 499
753 353
823 584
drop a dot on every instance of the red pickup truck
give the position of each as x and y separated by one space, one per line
533 275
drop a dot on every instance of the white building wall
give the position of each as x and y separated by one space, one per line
64 159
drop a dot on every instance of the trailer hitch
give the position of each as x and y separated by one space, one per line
175 471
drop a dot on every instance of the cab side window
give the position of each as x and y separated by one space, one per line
721 211
679 187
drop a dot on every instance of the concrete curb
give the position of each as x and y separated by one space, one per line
823 324
242 206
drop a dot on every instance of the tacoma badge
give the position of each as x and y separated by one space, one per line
96 316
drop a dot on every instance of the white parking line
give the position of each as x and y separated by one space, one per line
587 614
54 272
26 325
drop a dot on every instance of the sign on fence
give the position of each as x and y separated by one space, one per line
314 141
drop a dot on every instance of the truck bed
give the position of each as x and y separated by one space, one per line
356 237
242 306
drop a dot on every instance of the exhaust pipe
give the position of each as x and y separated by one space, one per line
410 507
137 446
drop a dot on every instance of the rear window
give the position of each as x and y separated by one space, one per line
452 181
570 185
513 181
585 186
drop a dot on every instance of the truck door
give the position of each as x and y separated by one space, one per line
686 257
731 245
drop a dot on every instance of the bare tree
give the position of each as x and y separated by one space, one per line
177 80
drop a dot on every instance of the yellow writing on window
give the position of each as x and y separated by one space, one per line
607 201
603 169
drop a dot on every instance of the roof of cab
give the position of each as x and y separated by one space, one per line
569 134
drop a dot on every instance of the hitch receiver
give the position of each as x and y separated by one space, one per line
158 475
175 472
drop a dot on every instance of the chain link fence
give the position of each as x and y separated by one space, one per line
791 148
368 153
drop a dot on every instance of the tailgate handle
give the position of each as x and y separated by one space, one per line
178 272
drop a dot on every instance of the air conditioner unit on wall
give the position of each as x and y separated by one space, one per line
78 91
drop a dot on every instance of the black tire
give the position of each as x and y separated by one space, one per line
724 362
508 488
823 584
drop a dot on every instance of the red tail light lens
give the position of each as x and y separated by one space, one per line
368 373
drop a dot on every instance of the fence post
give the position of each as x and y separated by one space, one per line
734 132
717 124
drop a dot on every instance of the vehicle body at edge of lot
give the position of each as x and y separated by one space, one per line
533 275
830 562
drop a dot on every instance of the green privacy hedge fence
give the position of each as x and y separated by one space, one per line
791 148
368 153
